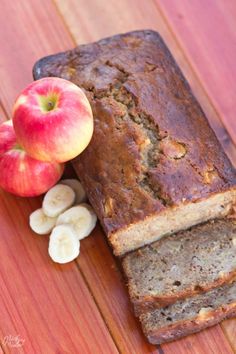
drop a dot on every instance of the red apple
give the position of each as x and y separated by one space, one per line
7 136
53 120
21 174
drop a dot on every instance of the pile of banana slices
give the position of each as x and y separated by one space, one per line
67 217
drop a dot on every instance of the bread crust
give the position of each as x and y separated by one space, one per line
148 303
153 148
189 315
187 327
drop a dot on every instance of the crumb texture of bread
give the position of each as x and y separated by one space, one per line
189 315
181 265
154 165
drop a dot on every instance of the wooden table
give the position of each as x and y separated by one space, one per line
83 307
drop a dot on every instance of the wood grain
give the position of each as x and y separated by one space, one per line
29 30
229 328
206 31
48 304
97 24
108 288
200 344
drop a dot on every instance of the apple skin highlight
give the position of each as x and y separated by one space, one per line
53 120
21 174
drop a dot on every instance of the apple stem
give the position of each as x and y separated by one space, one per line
50 105
18 147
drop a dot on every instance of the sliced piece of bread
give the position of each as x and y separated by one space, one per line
190 315
182 265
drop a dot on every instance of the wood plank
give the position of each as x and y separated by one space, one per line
29 29
122 16
108 288
201 344
207 32
229 328
105 20
48 305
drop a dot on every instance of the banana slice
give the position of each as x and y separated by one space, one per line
41 223
58 199
94 216
80 195
81 217
64 245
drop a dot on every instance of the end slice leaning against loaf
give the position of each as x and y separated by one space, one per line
189 315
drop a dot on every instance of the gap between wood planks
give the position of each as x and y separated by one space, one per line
98 307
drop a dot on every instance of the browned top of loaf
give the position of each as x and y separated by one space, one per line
152 146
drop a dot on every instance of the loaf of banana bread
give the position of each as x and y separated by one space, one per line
154 165
182 265
189 315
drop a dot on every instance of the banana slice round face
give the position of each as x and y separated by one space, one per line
41 223
81 217
64 245
58 199
80 195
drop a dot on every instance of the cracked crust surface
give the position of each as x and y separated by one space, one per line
152 149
